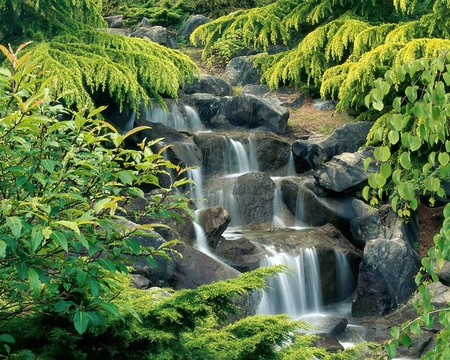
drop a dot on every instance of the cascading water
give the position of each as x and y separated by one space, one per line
345 281
293 295
174 118
240 159
196 191
202 242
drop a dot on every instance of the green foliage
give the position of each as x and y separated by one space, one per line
40 19
62 183
111 68
217 8
413 155
183 325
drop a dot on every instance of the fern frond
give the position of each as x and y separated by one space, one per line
370 38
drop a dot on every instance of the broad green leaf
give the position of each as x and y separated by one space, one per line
365 193
35 283
385 170
100 205
69 224
411 93
396 121
2 249
15 225
393 137
49 165
80 321
367 163
415 328
81 277
36 237
405 339
415 143
126 177
443 158
22 270
394 203
405 160
7 338
397 104
60 239
112 309
93 285
133 245
95 318
108 265
382 153
63 306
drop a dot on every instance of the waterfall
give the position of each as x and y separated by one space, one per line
300 207
345 281
277 205
201 242
196 191
293 295
240 159
173 117
193 120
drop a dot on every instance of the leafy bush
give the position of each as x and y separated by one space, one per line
412 154
62 184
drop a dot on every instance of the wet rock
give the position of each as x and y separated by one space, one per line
345 172
327 342
240 254
193 23
328 324
115 21
157 34
209 84
240 71
251 112
325 105
196 268
214 221
386 277
253 193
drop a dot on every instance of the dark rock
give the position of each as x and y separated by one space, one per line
345 172
444 273
328 342
253 193
251 112
315 206
328 324
157 34
115 21
210 85
255 89
193 23
273 151
386 277
307 155
276 49
347 138
140 281
325 105
208 106
120 31
196 268
158 275
240 254
240 71
214 221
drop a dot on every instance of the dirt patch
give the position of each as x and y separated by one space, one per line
430 222
306 120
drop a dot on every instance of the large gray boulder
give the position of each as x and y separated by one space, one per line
240 253
115 21
251 112
160 274
253 193
386 277
240 71
196 268
193 23
347 138
313 153
287 96
157 34
345 172
214 221
209 108
209 84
